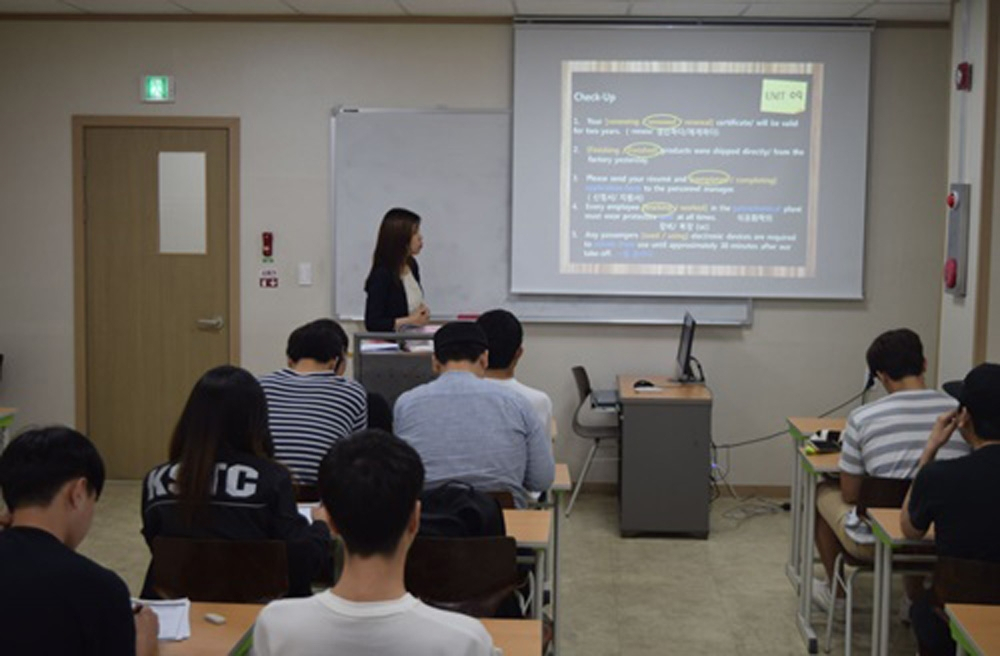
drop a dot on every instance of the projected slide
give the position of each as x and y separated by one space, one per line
690 168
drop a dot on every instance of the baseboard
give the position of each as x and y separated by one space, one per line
743 491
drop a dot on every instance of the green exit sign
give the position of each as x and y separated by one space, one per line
157 88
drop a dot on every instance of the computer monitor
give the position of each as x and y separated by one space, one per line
683 371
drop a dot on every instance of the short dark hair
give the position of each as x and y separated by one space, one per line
980 395
37 463
322 340
504 334
369 484
897 354
459 341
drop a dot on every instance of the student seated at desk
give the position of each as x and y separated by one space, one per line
53 600
505 336
959 497
472 430
222 481
369 486
310 404
883 438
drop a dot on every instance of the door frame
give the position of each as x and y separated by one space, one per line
80 123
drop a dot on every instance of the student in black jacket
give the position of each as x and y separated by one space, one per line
395 297
222 481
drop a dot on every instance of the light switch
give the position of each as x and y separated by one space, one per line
305 274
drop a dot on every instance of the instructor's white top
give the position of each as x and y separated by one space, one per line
414 295
328 624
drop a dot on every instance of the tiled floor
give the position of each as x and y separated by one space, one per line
627 597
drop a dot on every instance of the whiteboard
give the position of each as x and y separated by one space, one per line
453 169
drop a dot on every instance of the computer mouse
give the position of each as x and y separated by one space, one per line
642 382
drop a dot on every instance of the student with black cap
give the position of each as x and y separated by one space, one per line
959 497
468 429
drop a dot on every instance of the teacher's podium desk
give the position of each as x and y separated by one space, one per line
665 462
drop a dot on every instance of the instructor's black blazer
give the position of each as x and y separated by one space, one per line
386 298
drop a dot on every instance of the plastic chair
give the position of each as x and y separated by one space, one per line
234 571
588 431
876 492
467 575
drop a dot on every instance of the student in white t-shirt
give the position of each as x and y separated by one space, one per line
505 336
369 484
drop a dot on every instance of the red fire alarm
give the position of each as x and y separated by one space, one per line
952 200
950 273
963 77
267 244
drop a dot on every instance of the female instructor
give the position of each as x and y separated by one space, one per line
395 298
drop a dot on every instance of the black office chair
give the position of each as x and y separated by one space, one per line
595 432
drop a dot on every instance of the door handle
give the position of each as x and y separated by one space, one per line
215 323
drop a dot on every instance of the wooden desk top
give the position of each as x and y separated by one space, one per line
822 463
671 391
531 528
806 426
562 483
886 521
979 626
209 639
515 637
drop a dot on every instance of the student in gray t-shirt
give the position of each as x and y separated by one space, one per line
468 429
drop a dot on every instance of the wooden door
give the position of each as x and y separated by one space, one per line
154 321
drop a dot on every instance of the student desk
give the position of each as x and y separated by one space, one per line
665 461
6 421
532 529
515 637
888 532
800 428
975 627
812 467
560 486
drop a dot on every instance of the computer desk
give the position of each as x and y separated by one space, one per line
514 637
665 461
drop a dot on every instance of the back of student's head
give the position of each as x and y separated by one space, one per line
369 483
980 395
459 341
226 412
504 335
897 354
39 462
322 340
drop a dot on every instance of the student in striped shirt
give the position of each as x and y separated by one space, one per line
310 403
884 438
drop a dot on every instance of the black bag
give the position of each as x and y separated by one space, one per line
457 510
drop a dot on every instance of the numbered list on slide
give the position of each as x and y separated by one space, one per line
700 168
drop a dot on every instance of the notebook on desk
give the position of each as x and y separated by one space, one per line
606 398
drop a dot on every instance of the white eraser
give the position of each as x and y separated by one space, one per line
215 618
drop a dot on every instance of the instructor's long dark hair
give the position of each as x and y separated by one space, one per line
227 411
392 250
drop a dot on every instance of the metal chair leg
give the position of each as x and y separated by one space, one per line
831 611
583 476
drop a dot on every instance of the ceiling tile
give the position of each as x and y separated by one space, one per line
347 7
266 7
822 9
571 7
908 11
459 7
659 8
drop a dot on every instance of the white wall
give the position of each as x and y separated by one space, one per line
283 79
965 164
